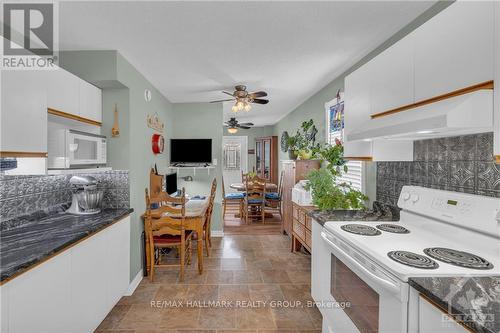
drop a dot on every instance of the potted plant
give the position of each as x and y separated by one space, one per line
327 192
303 144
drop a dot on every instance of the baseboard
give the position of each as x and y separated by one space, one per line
217 233
135 283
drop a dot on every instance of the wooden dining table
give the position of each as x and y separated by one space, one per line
195 220
270 187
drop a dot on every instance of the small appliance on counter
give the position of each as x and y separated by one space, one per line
300 195
87 198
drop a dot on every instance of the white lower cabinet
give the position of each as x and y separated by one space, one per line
434 320
73 291
496 114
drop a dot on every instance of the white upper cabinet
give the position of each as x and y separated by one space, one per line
62 91
23 116
357 106
90 101
392 82
454 49
496 113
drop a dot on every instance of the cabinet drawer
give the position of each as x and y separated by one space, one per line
295 212
308 238
302 217
299 229
308 223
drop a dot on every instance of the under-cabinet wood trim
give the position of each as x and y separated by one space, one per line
359 158
10 278
445 312
22 154
73 117
497 159
488 85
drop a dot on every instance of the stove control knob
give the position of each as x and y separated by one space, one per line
406 196
414 198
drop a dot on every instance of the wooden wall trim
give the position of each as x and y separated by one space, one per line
488 85
73 117
497 159
22 154
359 158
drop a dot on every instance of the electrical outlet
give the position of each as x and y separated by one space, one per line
214 161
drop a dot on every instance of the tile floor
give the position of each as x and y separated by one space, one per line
250 284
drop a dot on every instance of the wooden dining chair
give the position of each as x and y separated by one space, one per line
255 199
208 218
273 199
165 228
231 199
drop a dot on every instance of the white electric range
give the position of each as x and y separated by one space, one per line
360 269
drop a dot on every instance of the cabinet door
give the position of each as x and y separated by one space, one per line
63 91
496 113
432 319
39 299
23 116
392 83
357 109
90 101
267 159
88 292
454 49
118 268
258 157
4 308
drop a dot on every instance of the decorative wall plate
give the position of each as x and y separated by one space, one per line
155 123
157 143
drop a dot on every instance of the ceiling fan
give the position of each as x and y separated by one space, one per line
243 98
233 125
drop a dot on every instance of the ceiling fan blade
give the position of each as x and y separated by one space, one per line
258 94
227 93
222 100
243 127
260 101
247 124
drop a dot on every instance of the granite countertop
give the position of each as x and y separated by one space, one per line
380 212
28 240
475 300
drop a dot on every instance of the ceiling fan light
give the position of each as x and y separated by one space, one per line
234 108
232 130
240 105
248 107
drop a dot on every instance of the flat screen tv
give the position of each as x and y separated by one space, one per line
190 151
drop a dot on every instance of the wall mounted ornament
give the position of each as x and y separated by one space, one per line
115 131
155 123
157 143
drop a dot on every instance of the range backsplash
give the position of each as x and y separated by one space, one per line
21 195
461 164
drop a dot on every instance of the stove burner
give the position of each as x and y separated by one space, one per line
413 259
360 229
458 258
394 228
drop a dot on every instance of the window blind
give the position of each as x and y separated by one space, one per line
354 174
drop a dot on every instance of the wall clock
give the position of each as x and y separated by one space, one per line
158 143
147 95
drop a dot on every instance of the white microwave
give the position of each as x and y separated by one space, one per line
73 149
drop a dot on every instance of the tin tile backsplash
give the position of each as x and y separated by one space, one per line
462 164
20 195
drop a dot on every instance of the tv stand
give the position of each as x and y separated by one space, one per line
192 166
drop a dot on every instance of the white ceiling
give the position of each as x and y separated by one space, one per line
192 50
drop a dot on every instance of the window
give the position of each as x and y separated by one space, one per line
335 130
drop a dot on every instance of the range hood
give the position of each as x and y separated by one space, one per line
461 115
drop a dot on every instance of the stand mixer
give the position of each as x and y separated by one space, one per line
86 199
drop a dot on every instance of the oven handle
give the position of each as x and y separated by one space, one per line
391 286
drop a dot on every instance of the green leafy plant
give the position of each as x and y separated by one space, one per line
303 143
328 195
334 155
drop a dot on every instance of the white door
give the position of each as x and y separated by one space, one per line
234 159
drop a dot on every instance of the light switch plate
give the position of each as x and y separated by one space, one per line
214 161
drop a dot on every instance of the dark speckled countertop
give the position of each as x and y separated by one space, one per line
28 240
474 300
380 212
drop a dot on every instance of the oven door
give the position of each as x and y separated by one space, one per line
353 293
85 148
